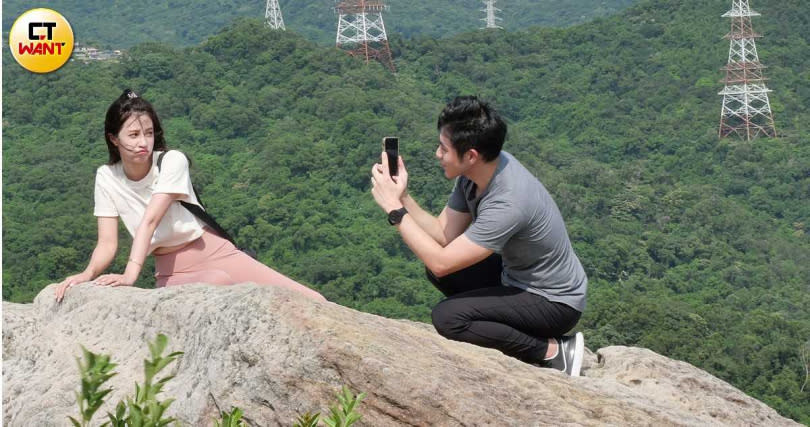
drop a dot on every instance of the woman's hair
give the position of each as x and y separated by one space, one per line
120 111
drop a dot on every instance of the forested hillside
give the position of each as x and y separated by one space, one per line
188 22
697 248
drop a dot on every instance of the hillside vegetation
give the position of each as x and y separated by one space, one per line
188 22
697 248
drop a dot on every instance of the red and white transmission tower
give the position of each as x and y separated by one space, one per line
491 10
361 31
272 15
746 109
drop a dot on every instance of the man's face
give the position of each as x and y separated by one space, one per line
448 158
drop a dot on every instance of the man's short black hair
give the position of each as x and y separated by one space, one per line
469 122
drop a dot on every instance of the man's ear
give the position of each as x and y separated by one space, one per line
473 156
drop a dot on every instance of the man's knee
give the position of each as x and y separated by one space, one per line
447 321
431 277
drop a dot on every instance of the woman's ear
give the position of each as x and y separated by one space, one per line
113 139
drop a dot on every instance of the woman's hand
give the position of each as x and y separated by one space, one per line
69 282
388 191
114 280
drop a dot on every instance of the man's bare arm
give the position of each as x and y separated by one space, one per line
444 229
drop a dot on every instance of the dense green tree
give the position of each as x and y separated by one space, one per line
188 22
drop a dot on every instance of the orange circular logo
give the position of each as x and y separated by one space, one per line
41 40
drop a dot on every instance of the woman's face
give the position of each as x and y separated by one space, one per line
136 139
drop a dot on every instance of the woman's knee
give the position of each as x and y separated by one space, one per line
213 277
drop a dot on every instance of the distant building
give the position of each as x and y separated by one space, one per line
88 53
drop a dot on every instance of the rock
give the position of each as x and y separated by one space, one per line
275 354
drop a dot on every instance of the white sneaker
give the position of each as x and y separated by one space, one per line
570 352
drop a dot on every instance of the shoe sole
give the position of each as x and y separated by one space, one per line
579 353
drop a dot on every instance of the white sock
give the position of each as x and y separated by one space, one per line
557 352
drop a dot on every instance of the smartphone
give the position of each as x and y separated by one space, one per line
391 148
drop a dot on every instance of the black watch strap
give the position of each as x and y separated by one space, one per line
396 215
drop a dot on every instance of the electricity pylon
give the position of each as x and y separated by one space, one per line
272 15
746 109
361 31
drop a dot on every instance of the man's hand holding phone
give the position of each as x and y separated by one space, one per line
388 188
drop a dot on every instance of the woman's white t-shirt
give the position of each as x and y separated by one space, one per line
118 196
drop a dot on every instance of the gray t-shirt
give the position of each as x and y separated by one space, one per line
517 218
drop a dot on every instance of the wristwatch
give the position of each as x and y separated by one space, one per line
395 216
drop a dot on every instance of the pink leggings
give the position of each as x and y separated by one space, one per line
212 259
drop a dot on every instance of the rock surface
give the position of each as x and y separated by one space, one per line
276 354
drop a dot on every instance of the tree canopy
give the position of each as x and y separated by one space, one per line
189 22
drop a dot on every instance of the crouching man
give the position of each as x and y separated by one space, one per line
499 250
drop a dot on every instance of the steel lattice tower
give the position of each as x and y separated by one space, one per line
491 10
272 15
746 109
361 31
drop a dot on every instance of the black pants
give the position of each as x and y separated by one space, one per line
480 310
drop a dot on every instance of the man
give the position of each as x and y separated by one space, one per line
499 250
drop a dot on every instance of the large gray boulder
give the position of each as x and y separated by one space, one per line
275 354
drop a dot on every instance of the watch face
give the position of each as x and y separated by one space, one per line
395 216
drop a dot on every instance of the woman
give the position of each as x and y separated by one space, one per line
131 187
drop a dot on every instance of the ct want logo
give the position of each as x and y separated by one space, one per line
32 29
41 40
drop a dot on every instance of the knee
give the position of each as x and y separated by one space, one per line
447 320
431 277
212 277
311 293
217 277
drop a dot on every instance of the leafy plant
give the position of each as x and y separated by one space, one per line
342 414
307 420
230 419
145 410
95 371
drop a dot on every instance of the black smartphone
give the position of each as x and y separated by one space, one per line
391 148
